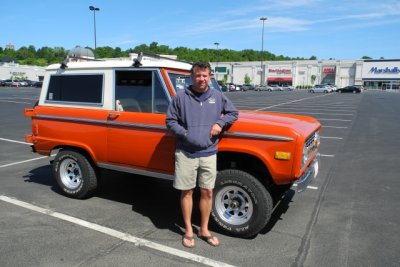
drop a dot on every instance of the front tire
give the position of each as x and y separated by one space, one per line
75 175
242 206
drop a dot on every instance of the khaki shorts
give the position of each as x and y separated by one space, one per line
188 170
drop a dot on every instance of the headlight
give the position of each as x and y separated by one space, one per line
317 139
305 155
310 145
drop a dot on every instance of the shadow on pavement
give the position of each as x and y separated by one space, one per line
151 197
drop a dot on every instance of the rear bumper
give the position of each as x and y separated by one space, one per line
308 176
29 139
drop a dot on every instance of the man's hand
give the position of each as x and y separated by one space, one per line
215 130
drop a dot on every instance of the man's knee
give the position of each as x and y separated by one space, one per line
206 193
187 193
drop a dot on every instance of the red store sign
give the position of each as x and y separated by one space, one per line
328 70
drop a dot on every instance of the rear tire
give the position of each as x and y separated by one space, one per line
242 206
75 174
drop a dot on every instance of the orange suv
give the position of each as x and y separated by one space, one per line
111 115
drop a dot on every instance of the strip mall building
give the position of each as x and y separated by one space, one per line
372 74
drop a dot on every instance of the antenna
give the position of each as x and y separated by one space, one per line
137 61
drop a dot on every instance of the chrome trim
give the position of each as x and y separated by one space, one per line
47 117
160 127
309 175
137 125
259 136
136 171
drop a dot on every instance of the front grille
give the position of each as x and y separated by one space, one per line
311 144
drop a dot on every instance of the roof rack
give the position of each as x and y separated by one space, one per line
137 61
63 65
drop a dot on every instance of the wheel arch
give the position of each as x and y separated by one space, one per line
78 149
245 162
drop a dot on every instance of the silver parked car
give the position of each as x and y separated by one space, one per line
287 88
269 88
274 87
262 87
321 88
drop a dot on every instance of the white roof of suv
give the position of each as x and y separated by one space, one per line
144 61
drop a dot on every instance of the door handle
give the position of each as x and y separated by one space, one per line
113 116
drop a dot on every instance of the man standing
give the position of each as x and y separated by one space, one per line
196 117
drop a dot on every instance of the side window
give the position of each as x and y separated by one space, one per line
76 88
140 91
161 101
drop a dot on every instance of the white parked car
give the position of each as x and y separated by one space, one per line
332 86
287 88
274 87
321 88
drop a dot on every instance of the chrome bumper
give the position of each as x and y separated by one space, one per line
308 176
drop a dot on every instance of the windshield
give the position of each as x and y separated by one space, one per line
182 81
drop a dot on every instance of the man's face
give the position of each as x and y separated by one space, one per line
200 79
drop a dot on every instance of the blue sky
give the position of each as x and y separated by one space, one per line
339 29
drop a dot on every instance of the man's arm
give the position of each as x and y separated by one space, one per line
172 120
229 113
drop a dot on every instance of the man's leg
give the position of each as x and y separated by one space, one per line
205 211
207 176
187 207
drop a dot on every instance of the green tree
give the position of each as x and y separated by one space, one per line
247 79
313 77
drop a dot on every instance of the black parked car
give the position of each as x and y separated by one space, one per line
38 84
349 89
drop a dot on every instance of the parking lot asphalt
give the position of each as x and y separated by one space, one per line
347 217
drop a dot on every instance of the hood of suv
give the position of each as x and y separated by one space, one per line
279 124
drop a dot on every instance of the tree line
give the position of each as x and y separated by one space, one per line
29 55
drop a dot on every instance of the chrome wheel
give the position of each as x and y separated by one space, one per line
70 174
234 205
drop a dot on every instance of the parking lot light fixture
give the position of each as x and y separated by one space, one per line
94 9
262 75
216 63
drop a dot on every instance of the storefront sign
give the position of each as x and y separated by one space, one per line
280 71
17 73
328 70
387 70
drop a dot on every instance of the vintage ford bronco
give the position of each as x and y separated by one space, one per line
111 114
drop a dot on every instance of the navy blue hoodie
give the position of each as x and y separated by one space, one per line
190 117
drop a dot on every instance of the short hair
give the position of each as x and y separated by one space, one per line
201 65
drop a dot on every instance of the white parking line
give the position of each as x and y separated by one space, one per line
326 155
24 161
332 137
17 102
336 127
15 141
294 101
325 119
117 234
313 113
308 187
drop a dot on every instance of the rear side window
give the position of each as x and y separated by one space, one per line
76 88
140 91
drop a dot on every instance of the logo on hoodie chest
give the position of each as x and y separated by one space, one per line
211 100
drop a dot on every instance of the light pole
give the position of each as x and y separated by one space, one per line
262 51
94 9
216 73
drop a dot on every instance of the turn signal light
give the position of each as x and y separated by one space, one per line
282 155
